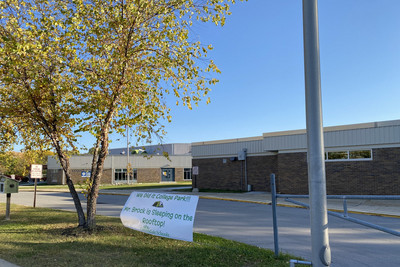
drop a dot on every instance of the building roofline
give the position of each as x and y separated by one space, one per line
339 128
214 142
303 131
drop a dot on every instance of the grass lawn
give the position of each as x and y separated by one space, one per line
114 187
45 237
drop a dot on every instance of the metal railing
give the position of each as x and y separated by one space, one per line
344 216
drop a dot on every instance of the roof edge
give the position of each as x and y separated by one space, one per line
303 131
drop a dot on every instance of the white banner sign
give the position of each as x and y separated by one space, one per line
160 214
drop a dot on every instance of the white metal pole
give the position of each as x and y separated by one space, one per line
127 154
321 255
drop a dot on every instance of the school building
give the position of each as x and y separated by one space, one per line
359 159
147 164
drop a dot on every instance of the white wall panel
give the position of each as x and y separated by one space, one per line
120 162
373 134
231 148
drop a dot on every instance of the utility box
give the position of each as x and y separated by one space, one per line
8 185
242 154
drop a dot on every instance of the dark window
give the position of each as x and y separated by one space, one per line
134 174
120 175
187 174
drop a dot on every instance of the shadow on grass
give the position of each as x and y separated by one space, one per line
44 237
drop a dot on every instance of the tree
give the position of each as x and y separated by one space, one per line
12 163
36 80
18 163
97 66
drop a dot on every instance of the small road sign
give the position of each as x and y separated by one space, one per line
36 171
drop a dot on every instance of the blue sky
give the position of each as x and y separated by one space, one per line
260 54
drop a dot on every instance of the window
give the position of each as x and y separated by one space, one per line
187 174
348 155
120 175
134 174
338 155
361 154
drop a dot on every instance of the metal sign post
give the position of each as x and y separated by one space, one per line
8 204
321 255
36 173
274 217
195 172
34 195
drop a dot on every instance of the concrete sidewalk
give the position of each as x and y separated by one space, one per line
4 263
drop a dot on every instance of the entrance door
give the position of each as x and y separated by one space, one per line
167 175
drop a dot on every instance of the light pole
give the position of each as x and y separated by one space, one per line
127 154
321 254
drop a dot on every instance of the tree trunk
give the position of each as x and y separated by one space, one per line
92 205
77 202
98 163
96 177
64 161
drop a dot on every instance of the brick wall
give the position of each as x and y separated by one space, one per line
106 177
214 173
380 176
148 175
179 175
54 176
259 170
291 177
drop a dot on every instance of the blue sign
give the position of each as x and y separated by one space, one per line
85 173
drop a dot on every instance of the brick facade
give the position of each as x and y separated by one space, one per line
106 177
379 176
144 175
179 175
225 174
292 174
148 175
215 174
259 170
54 176
154 175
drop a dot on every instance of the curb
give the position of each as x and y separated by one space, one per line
4 263
236 200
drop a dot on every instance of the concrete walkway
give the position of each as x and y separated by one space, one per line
4 263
